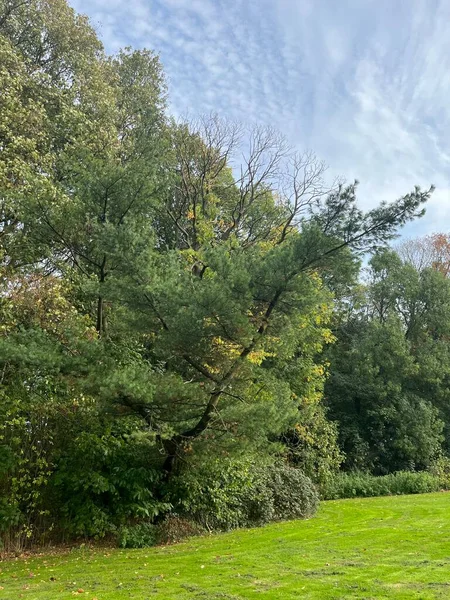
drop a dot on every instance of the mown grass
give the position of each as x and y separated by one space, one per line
393 547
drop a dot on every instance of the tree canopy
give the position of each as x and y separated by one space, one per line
172 293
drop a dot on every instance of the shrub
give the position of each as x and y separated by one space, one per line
228 494
441 469
174 529
140 535
312 445
293 494
351 485
103 481
215 493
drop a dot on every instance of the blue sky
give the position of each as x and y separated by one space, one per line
365 84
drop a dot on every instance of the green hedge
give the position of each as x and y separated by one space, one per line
353 485
223 495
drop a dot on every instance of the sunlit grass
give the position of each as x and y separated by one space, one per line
394 547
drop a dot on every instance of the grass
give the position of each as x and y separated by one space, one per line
372 548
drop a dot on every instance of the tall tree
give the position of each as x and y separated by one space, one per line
389 368
236 312
83 145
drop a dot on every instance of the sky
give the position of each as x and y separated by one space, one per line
365 84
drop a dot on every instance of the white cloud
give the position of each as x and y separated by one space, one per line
364 84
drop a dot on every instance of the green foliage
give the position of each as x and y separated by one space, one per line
387 389
156 310
140 535
173 529
354 484
26 468
228 494
104 478
217 494
312 445
69 471
441 469
169 530
293 495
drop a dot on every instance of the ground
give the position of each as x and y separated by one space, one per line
394 547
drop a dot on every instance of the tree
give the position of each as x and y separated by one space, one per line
52 67
161 293
430 251
93 158
79 138
387 388
235 313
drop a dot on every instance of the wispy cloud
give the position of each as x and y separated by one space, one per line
364 84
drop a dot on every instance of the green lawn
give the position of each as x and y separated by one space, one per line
395 547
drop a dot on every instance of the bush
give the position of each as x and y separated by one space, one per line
175 529
141 535
441 469
69 471
352 485
228 494
102 481
312 445
214 494
293 494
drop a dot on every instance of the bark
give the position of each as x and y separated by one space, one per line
101 322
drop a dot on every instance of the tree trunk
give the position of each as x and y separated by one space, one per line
100 318
101 324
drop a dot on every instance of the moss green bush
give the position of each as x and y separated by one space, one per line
223 495
140 535
174 528
352 485
289 492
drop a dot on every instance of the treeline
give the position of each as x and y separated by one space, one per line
183 327
389 378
